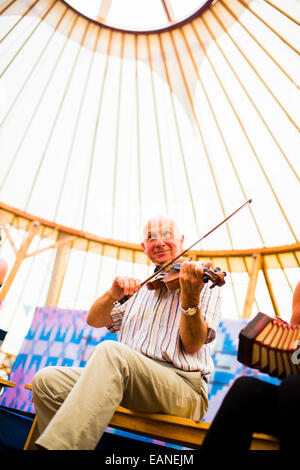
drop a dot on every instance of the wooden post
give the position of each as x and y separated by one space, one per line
270 289
59 270
20 256
256 266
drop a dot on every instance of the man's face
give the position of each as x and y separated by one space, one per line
162 240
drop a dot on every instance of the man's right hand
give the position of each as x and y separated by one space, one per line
124 285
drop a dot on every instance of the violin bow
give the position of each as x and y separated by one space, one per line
126 297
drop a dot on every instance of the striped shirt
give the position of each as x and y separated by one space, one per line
148 322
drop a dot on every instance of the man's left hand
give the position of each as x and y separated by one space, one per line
191 282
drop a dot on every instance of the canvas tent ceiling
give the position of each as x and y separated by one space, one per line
101 128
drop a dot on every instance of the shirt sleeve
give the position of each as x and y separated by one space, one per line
211 310
117 314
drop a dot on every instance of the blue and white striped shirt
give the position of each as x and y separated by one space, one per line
148 322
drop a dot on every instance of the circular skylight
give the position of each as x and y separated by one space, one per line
139 15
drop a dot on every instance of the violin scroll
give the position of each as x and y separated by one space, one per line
216 276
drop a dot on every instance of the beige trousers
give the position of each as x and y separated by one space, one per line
74 405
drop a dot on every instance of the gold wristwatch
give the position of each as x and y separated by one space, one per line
189 312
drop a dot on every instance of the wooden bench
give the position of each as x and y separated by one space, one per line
6 383
176 430
171 429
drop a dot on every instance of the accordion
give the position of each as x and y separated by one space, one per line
270 345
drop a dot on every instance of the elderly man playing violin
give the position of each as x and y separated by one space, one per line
161 362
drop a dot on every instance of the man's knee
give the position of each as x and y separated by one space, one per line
116 355
244 389
254 392
244 384
42 379
110 347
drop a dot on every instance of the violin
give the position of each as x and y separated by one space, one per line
170 277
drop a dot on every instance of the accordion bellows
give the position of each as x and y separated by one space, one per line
270 345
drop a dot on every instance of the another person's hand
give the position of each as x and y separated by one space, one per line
295 319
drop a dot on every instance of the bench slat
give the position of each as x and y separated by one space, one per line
7 383
180 431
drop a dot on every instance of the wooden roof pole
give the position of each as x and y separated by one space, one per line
55 245
7 233
250 296
168 10
20 256
270 289
104 9
59 269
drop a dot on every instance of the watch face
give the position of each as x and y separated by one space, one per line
192 311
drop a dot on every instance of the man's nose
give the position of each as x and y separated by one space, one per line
159 241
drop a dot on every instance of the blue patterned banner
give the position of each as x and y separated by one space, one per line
56 337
